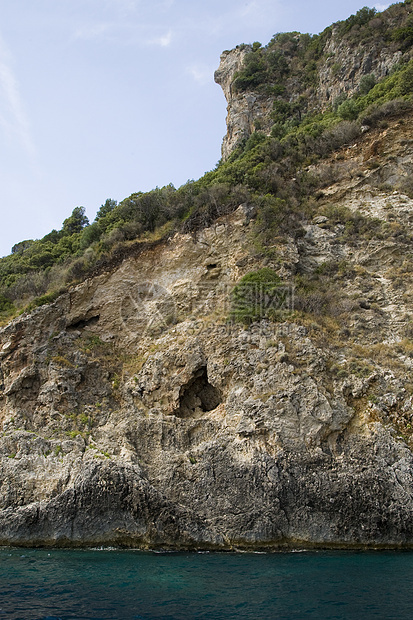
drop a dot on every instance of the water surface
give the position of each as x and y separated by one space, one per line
114 584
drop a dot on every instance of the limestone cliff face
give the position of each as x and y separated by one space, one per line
344 67
339 72
133 413
244 109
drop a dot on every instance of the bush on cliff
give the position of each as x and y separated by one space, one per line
259 295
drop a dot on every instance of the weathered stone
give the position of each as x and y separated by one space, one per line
247 109
134 413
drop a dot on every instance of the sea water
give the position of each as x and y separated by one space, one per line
108 584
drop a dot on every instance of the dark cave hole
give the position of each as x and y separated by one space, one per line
82 323
198 395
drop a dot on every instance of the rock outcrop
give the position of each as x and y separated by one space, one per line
244 109
339 70
134 412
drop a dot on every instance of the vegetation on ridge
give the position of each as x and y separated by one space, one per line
271 172
292 57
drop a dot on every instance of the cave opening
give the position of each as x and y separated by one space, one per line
82 323
197 396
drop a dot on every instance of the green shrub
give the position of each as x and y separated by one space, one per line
341 98
405 82
265 172
404 34
375 113
90 234
362 17
348 110
254 71
76 222
258 295
48 298
257 137
367 82
6 305
276 218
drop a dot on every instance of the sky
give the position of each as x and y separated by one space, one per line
103 98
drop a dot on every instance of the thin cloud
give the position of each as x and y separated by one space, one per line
131 6
95 31
124 5
201 73
163 40
381 7
250 8
13 117
233 18
124 33
259 12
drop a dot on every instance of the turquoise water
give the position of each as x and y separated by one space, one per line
106 584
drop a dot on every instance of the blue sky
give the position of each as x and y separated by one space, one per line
102 98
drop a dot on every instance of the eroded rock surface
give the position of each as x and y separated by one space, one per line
339 72
133 413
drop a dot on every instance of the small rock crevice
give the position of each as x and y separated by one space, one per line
197 396
82 323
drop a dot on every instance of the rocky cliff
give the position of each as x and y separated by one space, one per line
315 73
134 412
